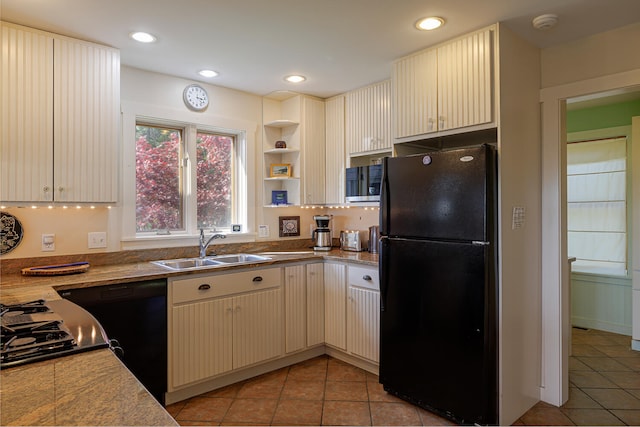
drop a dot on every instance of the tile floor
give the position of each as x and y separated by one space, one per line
604 376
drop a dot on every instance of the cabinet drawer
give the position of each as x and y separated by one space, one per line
363 277
211 286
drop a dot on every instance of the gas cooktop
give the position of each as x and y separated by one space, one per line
40 330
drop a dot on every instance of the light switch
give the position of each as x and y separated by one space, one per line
48 242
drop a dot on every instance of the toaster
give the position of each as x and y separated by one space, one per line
351 240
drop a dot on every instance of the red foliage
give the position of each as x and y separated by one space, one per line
158 192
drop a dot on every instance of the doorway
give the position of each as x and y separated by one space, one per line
599 208
556 312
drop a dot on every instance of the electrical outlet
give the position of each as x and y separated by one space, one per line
263 231
97 240
48 242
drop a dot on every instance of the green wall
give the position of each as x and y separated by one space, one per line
602 117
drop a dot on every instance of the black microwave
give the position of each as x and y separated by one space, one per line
363 183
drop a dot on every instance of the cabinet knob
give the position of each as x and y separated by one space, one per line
46 189
257 279
61 189
366 277
204 287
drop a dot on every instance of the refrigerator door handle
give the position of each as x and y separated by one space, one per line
382 268
384 202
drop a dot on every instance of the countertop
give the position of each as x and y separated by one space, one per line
95 388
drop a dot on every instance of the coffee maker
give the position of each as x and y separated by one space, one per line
322 234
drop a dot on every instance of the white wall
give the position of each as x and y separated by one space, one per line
159 95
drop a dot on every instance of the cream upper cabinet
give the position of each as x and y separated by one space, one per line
61 100
445 88
313 174
334 152
368 119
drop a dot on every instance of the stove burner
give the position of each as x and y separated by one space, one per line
32 331
18 342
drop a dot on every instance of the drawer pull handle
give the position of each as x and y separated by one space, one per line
257 279
366 277
204 287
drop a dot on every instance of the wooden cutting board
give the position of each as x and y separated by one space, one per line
56 270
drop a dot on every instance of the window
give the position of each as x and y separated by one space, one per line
166 177
597 207
159 179
214 180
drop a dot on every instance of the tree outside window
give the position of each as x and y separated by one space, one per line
163 174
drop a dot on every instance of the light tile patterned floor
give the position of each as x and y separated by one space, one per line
604 375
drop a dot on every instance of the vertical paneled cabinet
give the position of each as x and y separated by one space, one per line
335 150
304 306
368 119
445 88
298 122
221 322
60 116
363 312
335 298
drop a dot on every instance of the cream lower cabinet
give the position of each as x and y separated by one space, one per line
223 322
363 313
335 298
304 306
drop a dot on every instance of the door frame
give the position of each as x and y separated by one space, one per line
556 304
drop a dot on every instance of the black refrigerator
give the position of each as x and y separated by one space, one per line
438 282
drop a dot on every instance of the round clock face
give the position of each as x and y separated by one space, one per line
195 97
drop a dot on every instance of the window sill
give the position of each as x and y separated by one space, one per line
180 240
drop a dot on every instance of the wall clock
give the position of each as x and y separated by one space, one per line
195 97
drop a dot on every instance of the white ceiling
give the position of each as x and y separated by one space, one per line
338 44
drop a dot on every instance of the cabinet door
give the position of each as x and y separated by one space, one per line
86 121
314 151
295 313
368 118
334 153
26 121
415 94
201 341
257 327
315 304
363 320
335 296
465 81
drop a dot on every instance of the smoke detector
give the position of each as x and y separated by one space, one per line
545 22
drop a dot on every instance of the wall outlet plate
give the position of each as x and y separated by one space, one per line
263 231
97 240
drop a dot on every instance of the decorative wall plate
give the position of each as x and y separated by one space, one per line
10 232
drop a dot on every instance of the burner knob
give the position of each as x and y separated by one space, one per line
115 347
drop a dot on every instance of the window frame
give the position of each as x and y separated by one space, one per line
609 133
244 172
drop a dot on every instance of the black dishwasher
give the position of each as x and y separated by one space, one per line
134 314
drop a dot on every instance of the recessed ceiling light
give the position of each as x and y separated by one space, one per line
430 23
295 78
208 73
142 37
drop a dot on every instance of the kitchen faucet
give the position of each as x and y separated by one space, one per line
204 245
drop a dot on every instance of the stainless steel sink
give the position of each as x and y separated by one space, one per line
240 258
214 261
187 263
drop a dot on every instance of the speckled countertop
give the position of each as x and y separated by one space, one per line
95 388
